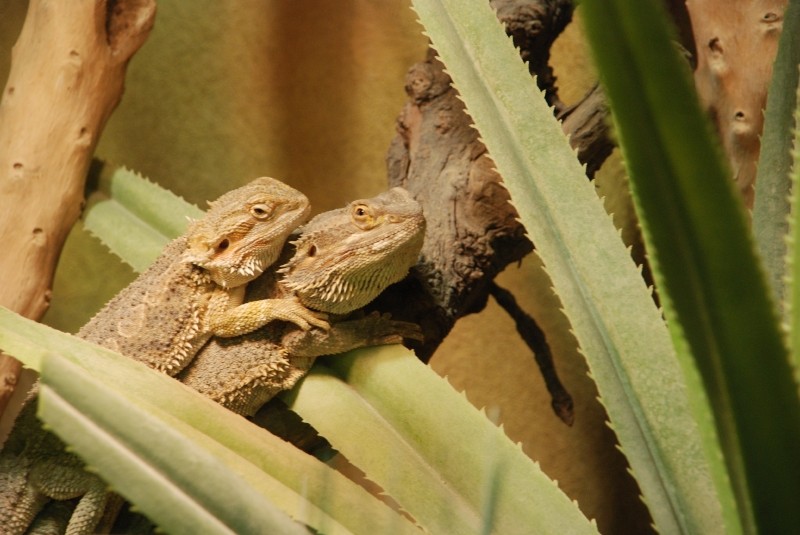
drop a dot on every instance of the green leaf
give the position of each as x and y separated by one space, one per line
793 253
134 450
450 468
771 207
715 297
612 313
295 482
150 215
504 486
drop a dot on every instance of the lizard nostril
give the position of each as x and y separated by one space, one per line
224 244
312 251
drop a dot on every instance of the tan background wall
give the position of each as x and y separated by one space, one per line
308 91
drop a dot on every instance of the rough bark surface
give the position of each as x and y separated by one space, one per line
736 46
473 232
67 76
534 25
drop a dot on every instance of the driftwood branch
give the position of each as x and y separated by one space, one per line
473 232
534 26
587 125
67 76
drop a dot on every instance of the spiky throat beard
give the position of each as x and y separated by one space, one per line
243 271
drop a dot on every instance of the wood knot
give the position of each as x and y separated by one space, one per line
38 237
426 80
74 59
84 137
418 81
18 171
444 121
9 381
742 128
715 45
716 59
772 23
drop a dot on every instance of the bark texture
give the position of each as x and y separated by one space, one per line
473 232
736 45
534 26
67 76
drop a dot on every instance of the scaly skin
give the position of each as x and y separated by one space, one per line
194 290
343 260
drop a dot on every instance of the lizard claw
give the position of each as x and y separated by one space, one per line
394 331
317 319
407 330
303 317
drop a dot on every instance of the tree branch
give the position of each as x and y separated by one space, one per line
67 76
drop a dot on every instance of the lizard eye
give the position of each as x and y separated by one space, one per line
260 211
361 213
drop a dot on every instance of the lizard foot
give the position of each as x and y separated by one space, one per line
384 330
407 330
250 316
293 311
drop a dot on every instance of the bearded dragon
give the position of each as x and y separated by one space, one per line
342 261
194 290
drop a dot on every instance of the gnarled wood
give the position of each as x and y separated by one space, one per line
67 76
473 231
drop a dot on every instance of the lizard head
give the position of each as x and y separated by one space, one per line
346 257
244 230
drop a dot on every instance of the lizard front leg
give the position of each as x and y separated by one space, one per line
371 330
225 320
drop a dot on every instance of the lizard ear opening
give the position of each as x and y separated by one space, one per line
223 245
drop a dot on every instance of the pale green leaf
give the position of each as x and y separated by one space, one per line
710 281
771 206
793 251
134 448
134 217
611 311
295 482
440 458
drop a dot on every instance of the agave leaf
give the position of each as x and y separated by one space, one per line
131 447
456 516
440 458
295 482
771 207
612 313
150 215
715 297
793 253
